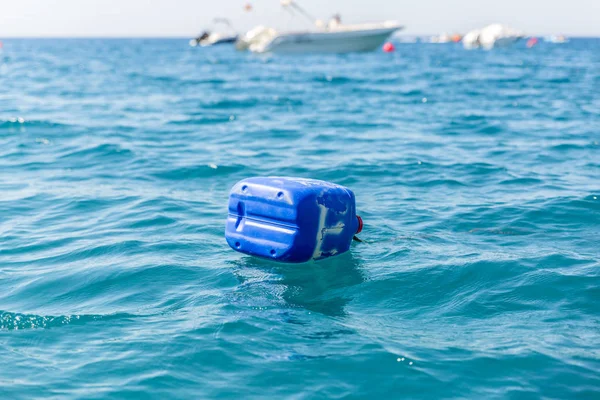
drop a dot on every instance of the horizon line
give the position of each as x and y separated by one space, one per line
580 36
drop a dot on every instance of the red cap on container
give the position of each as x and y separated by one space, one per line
360 224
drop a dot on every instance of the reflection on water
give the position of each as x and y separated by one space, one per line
316 286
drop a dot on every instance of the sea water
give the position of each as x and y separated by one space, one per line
477 174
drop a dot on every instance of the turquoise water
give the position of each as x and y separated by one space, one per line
477 175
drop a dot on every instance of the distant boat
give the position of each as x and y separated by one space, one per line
556 39
341 39
446 38
211 39
495 35
333 38
443 38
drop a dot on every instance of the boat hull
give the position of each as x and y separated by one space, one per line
326 42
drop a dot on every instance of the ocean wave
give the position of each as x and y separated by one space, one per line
23 123
16 321
200 171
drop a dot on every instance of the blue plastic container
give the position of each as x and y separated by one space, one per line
291 219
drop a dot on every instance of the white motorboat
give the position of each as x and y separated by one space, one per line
495 35
333 38
341 39
214 38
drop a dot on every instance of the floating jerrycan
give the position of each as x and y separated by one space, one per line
291 219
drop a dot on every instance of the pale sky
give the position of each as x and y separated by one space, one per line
185 18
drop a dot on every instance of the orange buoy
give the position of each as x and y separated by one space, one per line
388 47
